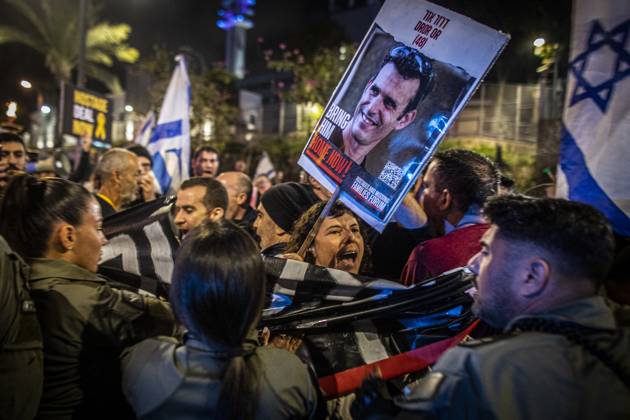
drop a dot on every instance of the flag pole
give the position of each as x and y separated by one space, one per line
313 232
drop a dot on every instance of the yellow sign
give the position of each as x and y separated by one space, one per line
90 101
80 128
88 113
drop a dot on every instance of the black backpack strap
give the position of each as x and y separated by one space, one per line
589 339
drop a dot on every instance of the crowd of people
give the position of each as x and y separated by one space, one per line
552 293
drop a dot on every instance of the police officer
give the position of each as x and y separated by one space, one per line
21 359
561 355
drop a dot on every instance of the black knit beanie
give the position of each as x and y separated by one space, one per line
286 202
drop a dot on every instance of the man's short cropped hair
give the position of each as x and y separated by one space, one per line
10 137
216 194
202 149
140 151
577 236
470 177
411 64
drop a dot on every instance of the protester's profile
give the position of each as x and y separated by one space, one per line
198 199
340 241
85 322
388 102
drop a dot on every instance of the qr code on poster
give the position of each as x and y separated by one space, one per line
391 175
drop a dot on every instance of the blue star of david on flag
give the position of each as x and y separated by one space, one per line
598 39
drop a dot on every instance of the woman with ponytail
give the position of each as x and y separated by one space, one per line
55 225
219 372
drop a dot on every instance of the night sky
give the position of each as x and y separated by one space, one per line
298 23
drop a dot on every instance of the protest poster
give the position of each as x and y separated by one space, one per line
413 73
87 113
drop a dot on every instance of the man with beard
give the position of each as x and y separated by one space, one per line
388 102
12 156
116 180
199 199
561 356
279 208
455 187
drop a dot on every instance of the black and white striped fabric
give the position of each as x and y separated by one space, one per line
141 247
346 320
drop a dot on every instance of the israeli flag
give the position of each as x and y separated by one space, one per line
595 150
143 137
170 141
265 167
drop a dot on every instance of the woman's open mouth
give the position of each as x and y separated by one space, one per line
347 260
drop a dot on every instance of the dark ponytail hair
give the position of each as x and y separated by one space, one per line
31 206
217 292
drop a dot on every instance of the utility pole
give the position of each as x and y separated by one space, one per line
82 40
549 123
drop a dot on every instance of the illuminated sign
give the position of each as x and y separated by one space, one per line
87 112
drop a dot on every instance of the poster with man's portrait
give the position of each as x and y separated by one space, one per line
413 73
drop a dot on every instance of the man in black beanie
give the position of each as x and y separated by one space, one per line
278 210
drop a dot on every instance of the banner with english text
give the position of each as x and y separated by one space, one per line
413 73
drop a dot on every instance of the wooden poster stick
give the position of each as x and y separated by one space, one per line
313 232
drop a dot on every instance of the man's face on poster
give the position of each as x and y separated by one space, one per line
381 107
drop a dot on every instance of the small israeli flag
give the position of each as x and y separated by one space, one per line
265 167
170 141
595 149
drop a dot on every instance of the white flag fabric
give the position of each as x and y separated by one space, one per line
595 150
265 167
170 142
143 137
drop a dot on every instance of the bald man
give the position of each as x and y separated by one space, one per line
239 188
116 180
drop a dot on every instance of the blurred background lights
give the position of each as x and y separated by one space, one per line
11 109
539 42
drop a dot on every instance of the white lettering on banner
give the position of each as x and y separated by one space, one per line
122 245
161 254
326 128
338 116
370 194
82 113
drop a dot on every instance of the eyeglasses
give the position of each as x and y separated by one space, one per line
406 53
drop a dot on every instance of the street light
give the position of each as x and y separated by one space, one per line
539 42
12 109
128 108
26 84
45 109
